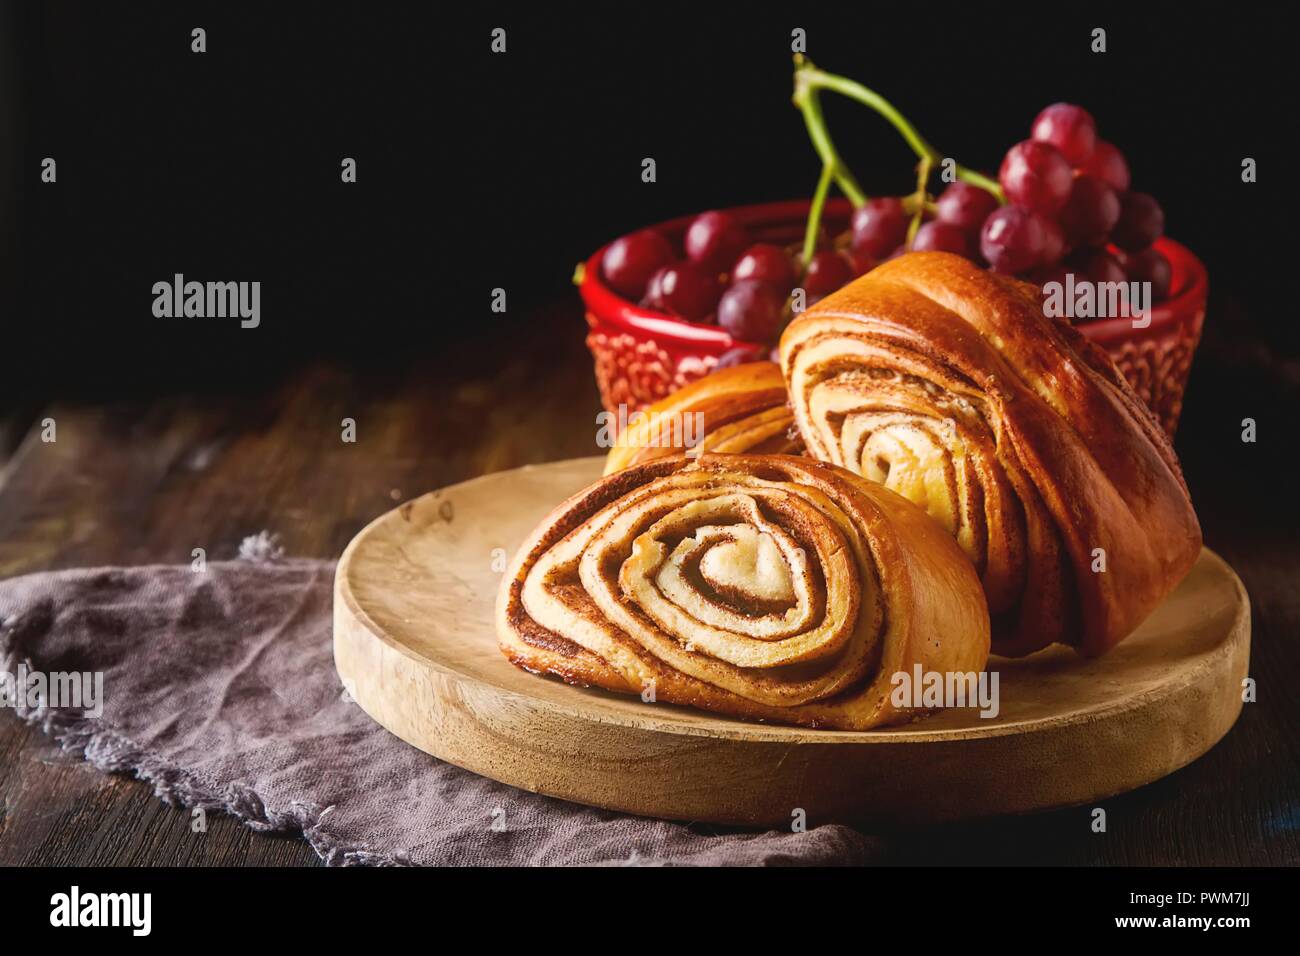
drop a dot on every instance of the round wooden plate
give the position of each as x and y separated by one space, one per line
414 645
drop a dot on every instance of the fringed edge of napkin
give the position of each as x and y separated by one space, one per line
110 752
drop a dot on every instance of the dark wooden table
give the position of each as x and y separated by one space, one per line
149 480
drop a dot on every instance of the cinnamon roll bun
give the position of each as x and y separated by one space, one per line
766 587
947 384
734 410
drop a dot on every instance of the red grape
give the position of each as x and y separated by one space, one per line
1097 265
1013 239
684 289
860 262
1107 163
714 240
965 206
1091 211
652 295
767 263
940 236
740 355
879 225
1050 273
629 262
1035 175
1044 276
752 311
1150 265
1053 241
827 271
1069 128
1141 222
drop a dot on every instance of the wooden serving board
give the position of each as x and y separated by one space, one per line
414 645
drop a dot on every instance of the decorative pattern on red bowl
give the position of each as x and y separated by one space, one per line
638 372
642 355
1158 368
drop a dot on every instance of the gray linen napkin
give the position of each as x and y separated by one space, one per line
219 689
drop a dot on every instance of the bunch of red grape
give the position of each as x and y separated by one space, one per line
725 277
1068 209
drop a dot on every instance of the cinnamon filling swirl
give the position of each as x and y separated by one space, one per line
763 586
947 385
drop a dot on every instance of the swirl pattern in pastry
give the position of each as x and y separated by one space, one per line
768 587
948 385
742 409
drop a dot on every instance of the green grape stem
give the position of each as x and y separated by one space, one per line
815 213
810 105
919 199
810 81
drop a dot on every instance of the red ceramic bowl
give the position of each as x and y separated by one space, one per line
642 355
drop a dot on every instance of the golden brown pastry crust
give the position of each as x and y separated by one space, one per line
743 408
767 587
947 383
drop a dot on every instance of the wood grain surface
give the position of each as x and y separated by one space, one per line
150 479
415 645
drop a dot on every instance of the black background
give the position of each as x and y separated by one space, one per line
479 170
1083 900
